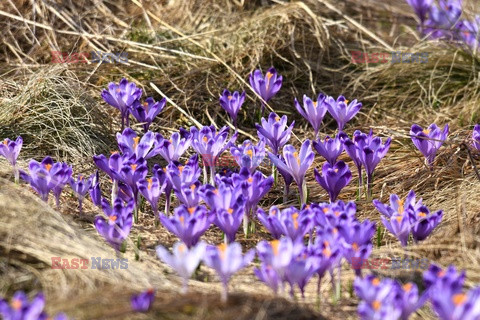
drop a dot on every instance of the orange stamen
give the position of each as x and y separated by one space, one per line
192 187
222 248
182 248
5 142
135 142
17 304
459 299
375 281
230 97
407 287
205 139
426 131
180 168
277 118
355 246
295 222
376 305
230 210
400 206
133 166
48 166
150 182
275 244
182 220
215 191
191 210
250 153
250 180
112 218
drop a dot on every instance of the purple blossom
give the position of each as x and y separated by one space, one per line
443 19
254 186
290 222
398 225
146 112
151 189
142 302
248 155
172 149
266 87
428 141
183 175
275 131
227 259
341 110
20 308
300 269
188 223
271 221
469 31
421 8
232 102
330 148
296 163
80 187
117 226
47 176
10 150
61 174
333 178
397 206
313 111
122 96
184 260
133 146
269 276
333 214
423 222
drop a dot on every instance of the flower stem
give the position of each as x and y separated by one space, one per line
114 191
245 223
303 192
275 174
224 292
16 174
286 191
212 175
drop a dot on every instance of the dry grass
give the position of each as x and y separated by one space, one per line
191 50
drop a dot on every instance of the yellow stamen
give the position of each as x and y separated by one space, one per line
335 230
336 170
191 210
422 214
135 142
145 106
375 281
275 244
426 131
17 304
295 155
337 213
459 298
182 247
5 142
48 166
326 243
192 187
376 305
347 101
327 252
315 103
274 212
407 287
222 248
180 168
277 118
441 273
230 210
182 220
118 90
295 222
230 97
215 191
150 182
205 139
80 178
164 169
250 180
113 152
134 167
355 246
400 206
325 210
269 75
399 219
112 218
250 153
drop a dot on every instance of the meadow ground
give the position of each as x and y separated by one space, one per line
189 51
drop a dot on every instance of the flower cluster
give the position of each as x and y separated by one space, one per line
20 308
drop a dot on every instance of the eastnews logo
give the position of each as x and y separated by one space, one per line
97 263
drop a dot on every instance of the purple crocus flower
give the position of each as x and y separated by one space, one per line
232 102
271 221
188 223
227 259
269 276
423 222
61 174
380 298
421 8
297 164
372 153
95 191
358 240
428 141
117 226
295 223
330 148
188 194
184 260
147 111
443 19
46 176
122 96
130 173
172 149
266 87
341 110
142 302
476 137
333 178
249 155
80 187
275 131
10 150
254 186
469 31
163 178
151 189
313 111
397 206
328 252
210 144
354 149
20 308
299 271
278 254
333 214
133 146
411 300
448 278
398 225
287 178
